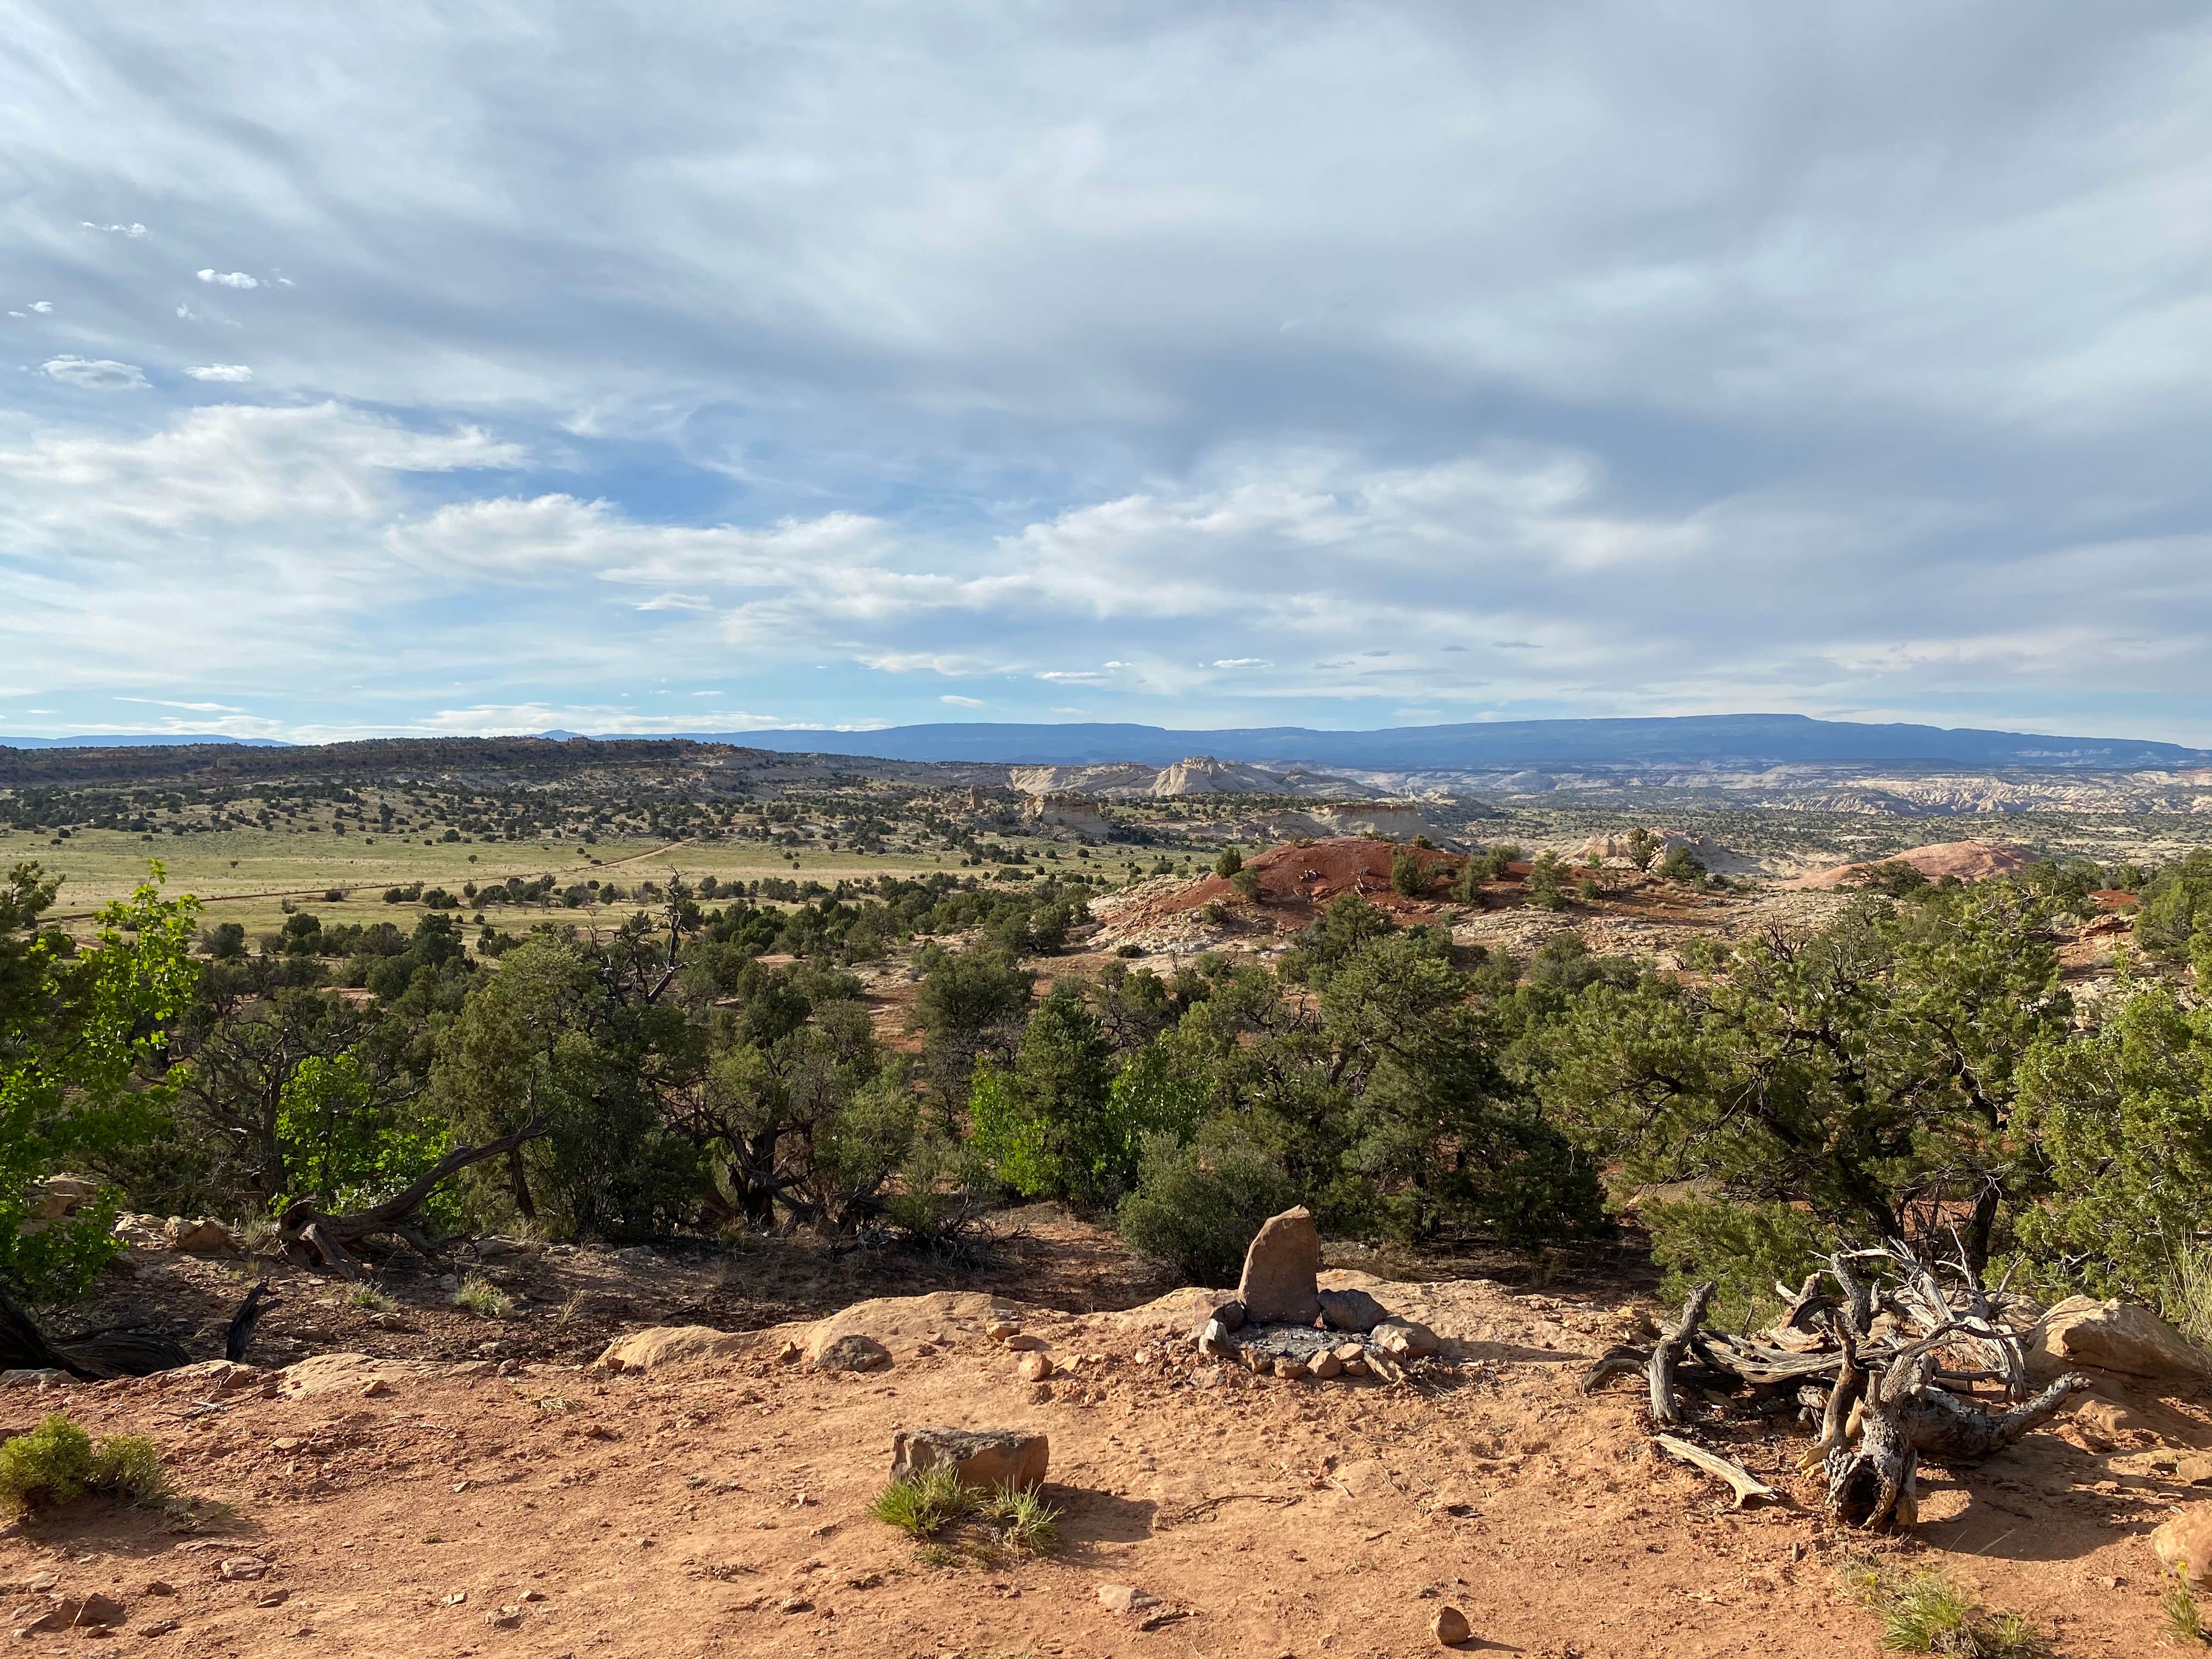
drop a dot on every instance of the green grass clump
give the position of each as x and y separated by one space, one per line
1926 1612
2184 1620
924 1505
483 1298
921 1505
369 1299
1026 1521
56 1464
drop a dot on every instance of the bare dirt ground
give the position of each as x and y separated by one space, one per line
546 1507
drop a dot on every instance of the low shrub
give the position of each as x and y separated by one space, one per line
57 1463
1197 1205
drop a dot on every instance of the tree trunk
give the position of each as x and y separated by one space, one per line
518 1178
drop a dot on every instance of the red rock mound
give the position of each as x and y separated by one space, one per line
1297 882
1969 861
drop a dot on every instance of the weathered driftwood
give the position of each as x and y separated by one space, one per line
312 1238
1949 1429
1894 1339
1745 1485
1669 1351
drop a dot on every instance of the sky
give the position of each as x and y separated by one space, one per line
422 368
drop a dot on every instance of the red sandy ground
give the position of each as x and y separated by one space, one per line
723 1509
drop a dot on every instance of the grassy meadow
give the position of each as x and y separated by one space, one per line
249 876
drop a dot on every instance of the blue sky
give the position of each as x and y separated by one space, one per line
422 368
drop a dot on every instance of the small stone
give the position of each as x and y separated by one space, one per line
1451 1628
456 1599
375 1388
239 1568
999 1329
853 1352
533 1596
504 1618
163 1628
1404 1338
1124 1598
1293 1370
39 1582
788 1354
1035 1367
1327 1366
60 1615
100 1610
159 1587
1351 1310
1025 1342
272 1598
1278 1286
1214 1341
1231 1315
2195 1467
792 1604
284 1442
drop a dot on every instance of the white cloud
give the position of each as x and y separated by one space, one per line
229 278
95 373
228 374
42 306
187 313
196 707
963 703
677 602
1242 662
131 231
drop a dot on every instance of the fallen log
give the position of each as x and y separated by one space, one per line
311 1238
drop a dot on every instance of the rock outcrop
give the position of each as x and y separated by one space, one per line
2116 1336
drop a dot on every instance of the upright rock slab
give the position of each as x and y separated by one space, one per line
1279 1287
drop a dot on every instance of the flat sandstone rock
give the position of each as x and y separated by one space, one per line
978 1457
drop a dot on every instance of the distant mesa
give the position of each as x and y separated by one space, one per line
1969 861
142 740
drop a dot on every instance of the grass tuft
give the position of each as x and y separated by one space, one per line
1026 1521
1926 1612
923 1506
369 1299
483 1298
2184 1620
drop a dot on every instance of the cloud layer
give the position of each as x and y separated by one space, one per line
1309 364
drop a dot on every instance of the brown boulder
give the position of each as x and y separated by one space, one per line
674 1344
2184 1544
853 1352
1351 1310
1451 1628
2116 1336
1280 1269
978 1457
